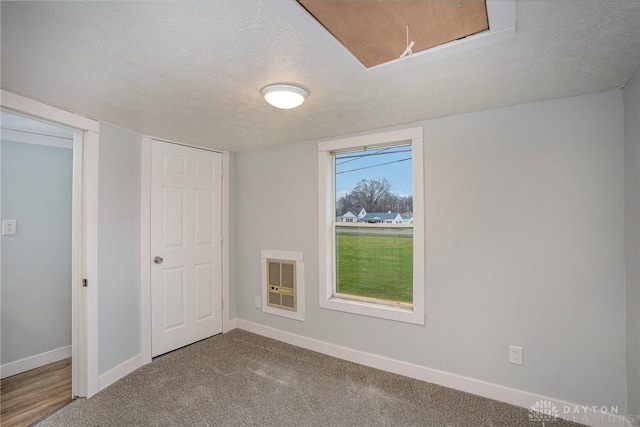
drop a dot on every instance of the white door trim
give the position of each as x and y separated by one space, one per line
226 177
145 251
84 235
145 244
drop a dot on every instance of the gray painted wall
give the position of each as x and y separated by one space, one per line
36 262
524 246
118 247
632 240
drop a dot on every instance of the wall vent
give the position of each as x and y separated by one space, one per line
281 286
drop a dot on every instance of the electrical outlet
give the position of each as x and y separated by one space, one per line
257 302
515 355
8 227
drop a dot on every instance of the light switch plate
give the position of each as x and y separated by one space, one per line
8 227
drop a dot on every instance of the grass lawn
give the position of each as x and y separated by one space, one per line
375 266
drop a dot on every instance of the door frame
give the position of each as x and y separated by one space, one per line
145 243
84 236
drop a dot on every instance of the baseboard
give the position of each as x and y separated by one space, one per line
32 362
120 371
128 366
590 416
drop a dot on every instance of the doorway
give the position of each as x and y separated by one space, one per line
36 205
83 137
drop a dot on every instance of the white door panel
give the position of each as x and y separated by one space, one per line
186 228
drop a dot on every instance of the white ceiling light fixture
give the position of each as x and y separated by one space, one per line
284 96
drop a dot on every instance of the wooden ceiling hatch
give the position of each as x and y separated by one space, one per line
379 31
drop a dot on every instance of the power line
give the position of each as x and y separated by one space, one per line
374 166
356 157
375 153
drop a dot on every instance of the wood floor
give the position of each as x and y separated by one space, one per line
29 396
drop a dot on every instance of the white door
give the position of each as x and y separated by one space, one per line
186 238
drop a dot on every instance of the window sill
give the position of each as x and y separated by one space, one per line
382 311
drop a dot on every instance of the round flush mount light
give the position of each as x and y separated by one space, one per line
284 96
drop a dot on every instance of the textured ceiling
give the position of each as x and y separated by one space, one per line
192 71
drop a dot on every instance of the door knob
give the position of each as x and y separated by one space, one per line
158 260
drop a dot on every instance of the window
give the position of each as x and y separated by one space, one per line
373 264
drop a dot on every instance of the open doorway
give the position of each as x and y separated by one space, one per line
84 235
36 201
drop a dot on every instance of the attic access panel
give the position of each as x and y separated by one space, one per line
375 31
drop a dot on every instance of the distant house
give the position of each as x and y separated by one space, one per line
349 216
381 217
374 217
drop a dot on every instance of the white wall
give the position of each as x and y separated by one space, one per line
525 246
632 240
118 247
36 262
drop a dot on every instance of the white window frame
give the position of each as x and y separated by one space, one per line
326 199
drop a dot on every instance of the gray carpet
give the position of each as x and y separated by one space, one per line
242 379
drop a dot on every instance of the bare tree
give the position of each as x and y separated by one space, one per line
373 195
346 203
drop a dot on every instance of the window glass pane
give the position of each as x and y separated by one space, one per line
375 262
374 185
